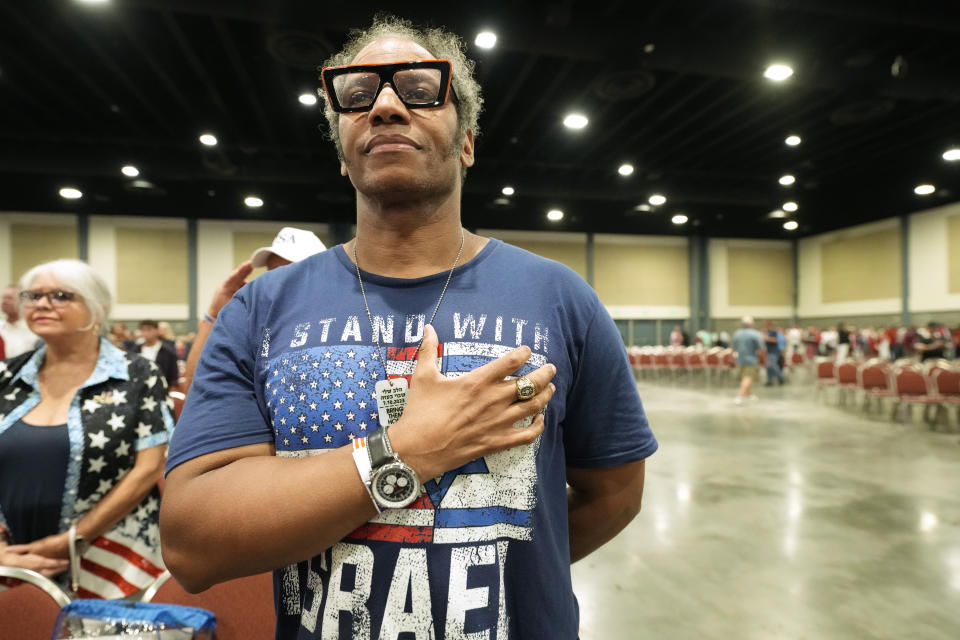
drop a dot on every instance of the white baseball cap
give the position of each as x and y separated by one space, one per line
290 244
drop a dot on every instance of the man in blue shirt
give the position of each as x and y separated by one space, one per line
516 438
747 342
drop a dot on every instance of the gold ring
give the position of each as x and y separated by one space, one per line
525 388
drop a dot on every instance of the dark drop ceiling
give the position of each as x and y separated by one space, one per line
673 87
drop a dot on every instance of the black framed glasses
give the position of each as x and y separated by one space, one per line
56 297
418 84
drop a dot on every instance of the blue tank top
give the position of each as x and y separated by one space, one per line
33 470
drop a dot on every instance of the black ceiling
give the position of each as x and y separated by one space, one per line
674 87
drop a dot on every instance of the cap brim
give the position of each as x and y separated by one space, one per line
259 257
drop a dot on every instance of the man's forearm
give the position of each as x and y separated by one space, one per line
594 522
600 503
259 513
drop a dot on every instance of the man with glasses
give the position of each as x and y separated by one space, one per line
418 430
17 338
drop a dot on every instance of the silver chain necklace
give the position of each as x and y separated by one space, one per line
376 339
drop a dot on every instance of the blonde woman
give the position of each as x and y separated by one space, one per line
83 429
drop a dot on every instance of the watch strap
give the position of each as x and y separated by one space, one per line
361 458
378 447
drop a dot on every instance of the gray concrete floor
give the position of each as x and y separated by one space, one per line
785 518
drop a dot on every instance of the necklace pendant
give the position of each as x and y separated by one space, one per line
391 399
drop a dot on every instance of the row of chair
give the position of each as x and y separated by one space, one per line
714 363
934 385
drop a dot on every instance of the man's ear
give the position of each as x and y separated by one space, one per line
466 152
343 169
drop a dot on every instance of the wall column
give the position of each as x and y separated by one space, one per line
339 233
192 274
699 285
795 245
83 237
905 319
590 258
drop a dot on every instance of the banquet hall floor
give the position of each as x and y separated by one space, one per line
784 518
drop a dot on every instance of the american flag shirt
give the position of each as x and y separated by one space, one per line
122 408
483 552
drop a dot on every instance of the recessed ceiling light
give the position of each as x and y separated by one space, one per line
787 180
790 206
208 139
777 213
575 121
253 201
657 199
70 193
554 215
793 140
486 40
307 99
508 191
679 219
643 207
130 171
778 72
790 225
924 189
952 155
625 169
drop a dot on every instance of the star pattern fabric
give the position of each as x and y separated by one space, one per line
323 397
120 410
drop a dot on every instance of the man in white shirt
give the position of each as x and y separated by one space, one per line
17 338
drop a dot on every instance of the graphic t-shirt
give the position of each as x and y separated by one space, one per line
484 551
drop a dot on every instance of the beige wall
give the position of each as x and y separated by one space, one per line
953 253
864 267
760 277
151 266
33 244
569 249
246 242
642 273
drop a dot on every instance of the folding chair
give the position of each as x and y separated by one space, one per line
912 387
244 607
28 610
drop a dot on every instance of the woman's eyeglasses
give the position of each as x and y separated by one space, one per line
56 297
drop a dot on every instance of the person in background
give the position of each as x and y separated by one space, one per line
747 342
843 342
83 429
771 339
291 245
794 344
723 339
153 349
704 338
165 332
929 343
121 337
676 336
16 335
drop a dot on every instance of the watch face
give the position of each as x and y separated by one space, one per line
395 485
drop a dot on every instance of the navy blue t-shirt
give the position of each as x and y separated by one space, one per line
485 549
33 474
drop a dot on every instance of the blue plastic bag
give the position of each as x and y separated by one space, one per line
122 619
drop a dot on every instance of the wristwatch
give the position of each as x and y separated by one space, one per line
393 484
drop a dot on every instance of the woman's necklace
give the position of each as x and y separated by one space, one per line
391 393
